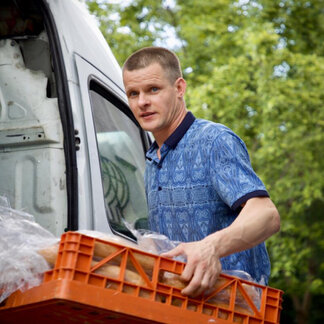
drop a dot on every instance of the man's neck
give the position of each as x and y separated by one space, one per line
158 153
162 136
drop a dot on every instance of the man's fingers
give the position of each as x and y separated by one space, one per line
203 280
197 284
188 271
211 283
174 252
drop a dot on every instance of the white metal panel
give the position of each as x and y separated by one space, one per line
32 160
79 34
85 219
34 181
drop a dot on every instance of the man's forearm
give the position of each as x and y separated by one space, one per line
258 220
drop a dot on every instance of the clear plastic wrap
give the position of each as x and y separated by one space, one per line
253 292
21 267
156 243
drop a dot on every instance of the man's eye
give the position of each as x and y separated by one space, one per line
132 94
154 89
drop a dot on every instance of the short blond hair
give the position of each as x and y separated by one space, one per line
149 55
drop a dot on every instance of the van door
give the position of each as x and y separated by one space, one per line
115 148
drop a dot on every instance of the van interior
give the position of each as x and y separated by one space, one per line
32 159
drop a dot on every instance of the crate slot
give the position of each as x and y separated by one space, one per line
113 284
145 293
161 298
97 281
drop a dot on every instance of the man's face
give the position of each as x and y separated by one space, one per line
154 100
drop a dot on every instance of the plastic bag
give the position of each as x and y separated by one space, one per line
153 242
253 292
156 243
21 267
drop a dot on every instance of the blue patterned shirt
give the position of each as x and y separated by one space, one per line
197 187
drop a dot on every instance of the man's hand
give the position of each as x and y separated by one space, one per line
203 266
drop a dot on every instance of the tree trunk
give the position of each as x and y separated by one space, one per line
302 307
301 317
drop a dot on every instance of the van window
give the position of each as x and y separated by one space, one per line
122 161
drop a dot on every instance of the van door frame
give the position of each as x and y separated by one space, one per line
65 110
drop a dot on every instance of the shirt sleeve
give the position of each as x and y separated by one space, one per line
232 174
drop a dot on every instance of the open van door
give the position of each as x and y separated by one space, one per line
116 150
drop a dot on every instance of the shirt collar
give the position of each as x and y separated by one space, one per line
175 137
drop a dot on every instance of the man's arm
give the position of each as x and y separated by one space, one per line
257 221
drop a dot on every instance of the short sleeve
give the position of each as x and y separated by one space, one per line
232 174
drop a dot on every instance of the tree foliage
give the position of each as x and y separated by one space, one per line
258 67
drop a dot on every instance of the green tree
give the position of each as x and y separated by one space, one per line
258 67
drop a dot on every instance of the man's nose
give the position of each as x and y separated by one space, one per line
143 100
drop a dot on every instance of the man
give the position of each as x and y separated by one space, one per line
200 186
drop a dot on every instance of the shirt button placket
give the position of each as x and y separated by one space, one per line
159 188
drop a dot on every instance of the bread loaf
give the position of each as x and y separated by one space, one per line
113 271
102 250
49 254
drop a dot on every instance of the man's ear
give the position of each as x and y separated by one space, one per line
181 86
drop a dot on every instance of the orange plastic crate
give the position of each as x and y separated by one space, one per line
96 281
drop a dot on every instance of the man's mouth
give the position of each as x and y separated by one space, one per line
147 115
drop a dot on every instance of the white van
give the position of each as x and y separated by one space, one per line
71 152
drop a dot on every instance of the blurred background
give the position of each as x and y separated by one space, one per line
257 67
